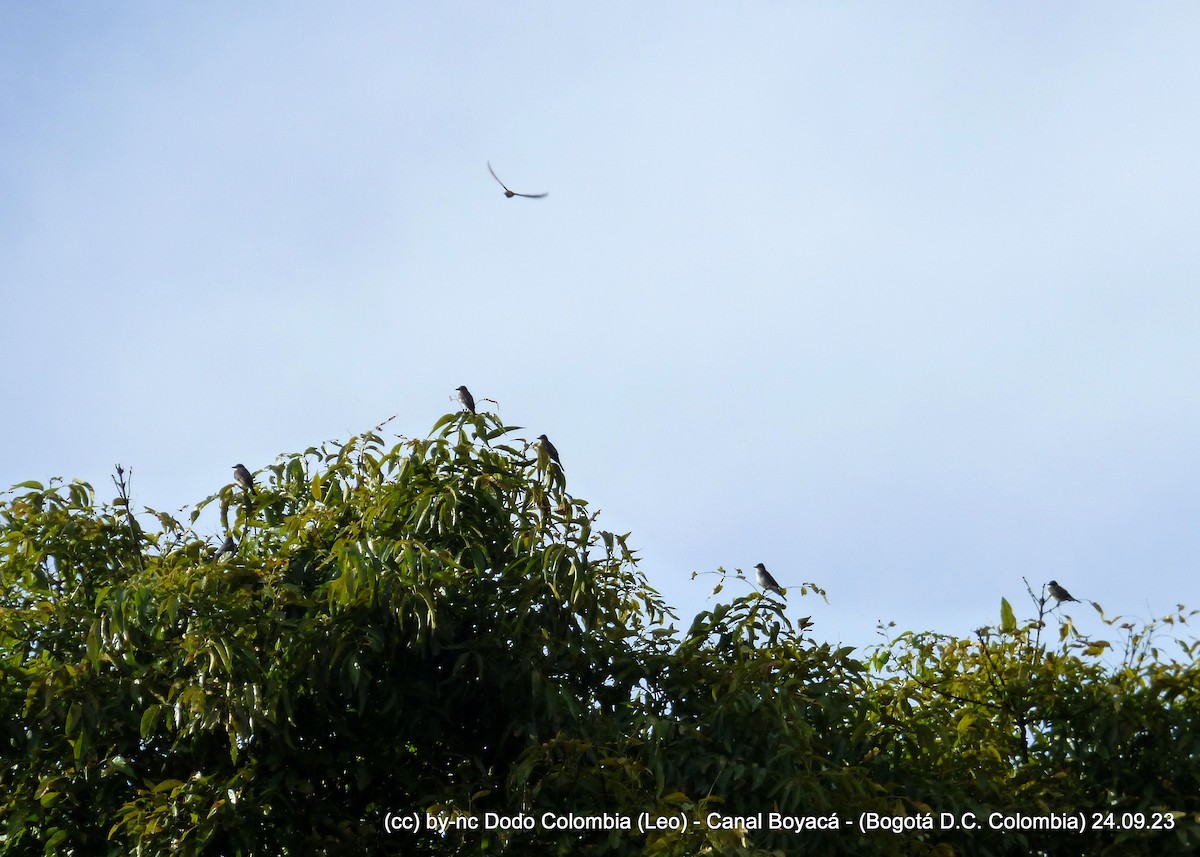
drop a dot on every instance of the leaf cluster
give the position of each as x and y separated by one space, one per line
437 625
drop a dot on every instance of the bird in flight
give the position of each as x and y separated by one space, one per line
242 477
511 193
1058 593
464 396
766 581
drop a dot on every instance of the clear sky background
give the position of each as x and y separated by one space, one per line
903 299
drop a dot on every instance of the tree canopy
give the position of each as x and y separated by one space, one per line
432 647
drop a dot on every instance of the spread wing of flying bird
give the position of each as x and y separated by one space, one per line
511 193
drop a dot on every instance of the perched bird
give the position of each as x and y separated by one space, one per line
511 193
766 581
229 546
1058 593
468 401
550 450
242 477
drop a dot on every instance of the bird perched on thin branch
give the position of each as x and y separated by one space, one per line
229 546
1058 593
766 581
468 401
549 449
511 193
242 477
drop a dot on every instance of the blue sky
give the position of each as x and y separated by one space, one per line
899 299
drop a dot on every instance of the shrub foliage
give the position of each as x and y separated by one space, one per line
438 630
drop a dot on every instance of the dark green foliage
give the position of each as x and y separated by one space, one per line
436 627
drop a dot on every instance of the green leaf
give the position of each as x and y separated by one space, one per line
1008 621
74 715
149 719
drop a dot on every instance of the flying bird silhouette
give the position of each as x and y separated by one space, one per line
766 581
464 396
511 193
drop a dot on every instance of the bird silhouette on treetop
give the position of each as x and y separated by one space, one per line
549 449
242 477
767 581
1058 593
